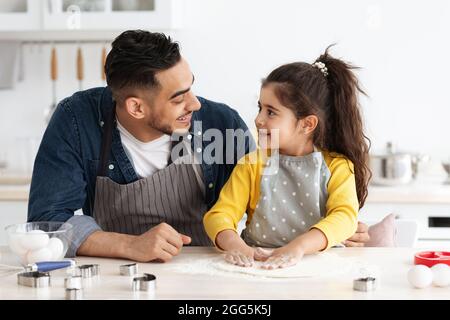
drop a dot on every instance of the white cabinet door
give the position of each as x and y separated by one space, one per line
115 15
11 212
433 219
20 15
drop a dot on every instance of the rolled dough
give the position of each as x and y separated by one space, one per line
322 264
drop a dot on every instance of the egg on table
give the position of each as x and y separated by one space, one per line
441 274
420 276
43 254
15 244
56 246
33 240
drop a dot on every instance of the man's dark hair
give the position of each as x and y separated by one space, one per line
135 57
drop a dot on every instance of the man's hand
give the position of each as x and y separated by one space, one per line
360 237
161 243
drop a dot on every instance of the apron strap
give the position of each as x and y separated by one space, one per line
106 142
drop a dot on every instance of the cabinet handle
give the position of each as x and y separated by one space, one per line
439 222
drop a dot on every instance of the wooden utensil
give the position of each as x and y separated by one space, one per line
80 69
53 76
103 75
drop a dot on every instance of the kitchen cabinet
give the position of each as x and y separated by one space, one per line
113 15
20 15
70 16
13 203
14 206
429 205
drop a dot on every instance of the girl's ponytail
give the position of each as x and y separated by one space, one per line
344 131
328 89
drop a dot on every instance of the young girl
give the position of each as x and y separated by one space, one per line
310 201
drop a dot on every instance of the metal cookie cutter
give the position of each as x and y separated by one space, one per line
74 294
128 269
89 270
365 284
34 279
73 282
147 283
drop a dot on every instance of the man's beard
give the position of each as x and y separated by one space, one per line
156 124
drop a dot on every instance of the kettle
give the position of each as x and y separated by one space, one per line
394 168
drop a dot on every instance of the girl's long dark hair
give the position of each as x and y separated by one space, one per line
333 98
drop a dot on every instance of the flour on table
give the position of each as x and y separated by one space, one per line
323 264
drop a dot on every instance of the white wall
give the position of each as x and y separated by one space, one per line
402 47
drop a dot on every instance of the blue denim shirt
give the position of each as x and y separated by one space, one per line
66 164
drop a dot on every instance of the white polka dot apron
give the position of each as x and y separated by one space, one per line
292 199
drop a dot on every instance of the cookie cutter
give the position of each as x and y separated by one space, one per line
74 294
34 279
88 270
365 284
128 269
73 282
147 283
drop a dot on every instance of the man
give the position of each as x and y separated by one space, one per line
110 151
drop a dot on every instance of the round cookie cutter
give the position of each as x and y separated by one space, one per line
73 282
146 283
128 269
74 294
88 270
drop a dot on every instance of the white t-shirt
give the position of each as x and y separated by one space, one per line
146 157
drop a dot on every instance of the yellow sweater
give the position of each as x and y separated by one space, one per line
241 194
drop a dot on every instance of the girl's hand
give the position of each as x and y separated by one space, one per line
243 257
283 257
262 254
237 252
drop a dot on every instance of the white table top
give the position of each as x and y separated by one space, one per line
393 264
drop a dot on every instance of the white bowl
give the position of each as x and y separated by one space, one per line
39 241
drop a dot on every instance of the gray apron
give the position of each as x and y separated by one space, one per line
174 195
292 199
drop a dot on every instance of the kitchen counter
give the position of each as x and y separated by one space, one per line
14 192
413 193
417 192
393 265
14 187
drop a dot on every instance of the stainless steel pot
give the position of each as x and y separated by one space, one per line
394 168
